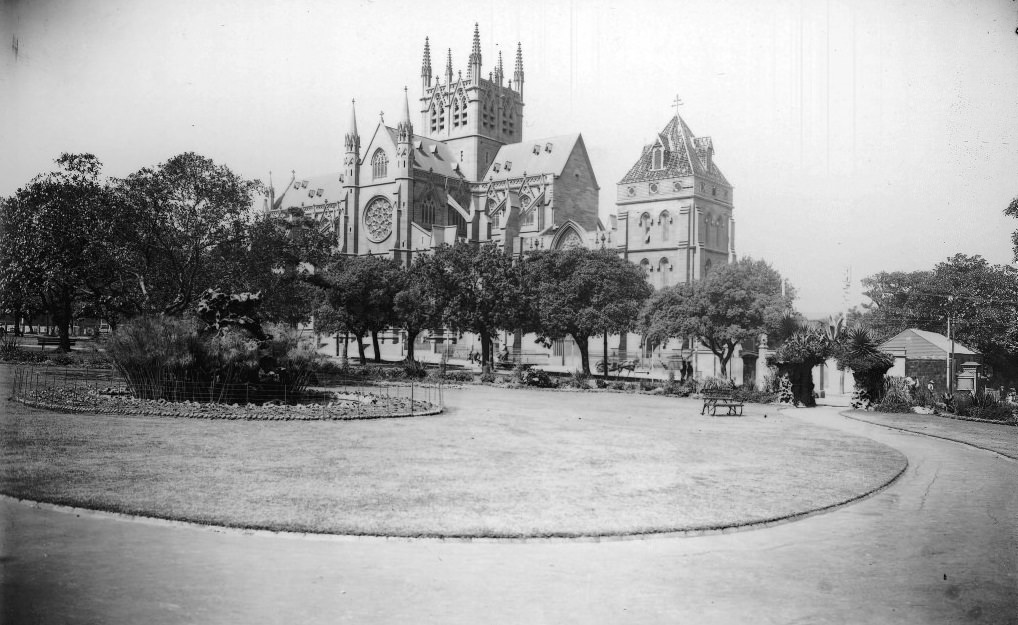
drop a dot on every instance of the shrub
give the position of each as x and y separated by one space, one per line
415 370
648 385
578 379
711 383
169 358
600 383
751 395
458 376
488 377
618 386
537 377
897 397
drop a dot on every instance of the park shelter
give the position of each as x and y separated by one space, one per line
923 355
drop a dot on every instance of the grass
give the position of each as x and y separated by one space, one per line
1000 438
520 463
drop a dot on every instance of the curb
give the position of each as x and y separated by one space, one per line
943 438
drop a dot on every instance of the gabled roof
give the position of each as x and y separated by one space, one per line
533 157
310 191
684 156
924 344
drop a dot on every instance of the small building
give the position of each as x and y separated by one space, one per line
923 355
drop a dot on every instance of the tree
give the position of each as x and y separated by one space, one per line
189 215
583 293
416 305
735 303
358 298
481 291
803 345
858 352
1012 211
275 258
58 241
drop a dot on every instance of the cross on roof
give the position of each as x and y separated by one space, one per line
676 103
381 116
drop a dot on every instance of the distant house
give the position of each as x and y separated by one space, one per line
923 355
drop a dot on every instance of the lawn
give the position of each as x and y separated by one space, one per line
496 463
997 437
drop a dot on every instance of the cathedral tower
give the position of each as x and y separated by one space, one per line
474 116
351 185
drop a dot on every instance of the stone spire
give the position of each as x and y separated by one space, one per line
498 69
448 68
474 66
426 65
405 130
518 74
353 140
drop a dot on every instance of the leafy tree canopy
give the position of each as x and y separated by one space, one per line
190 214
735 303
583 293
981 299
58 241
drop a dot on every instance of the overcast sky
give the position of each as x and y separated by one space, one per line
876 135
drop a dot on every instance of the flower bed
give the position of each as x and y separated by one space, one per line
341 406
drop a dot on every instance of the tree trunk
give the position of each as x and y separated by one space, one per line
581 343
605 356
344 360
374 344
360 347
485 352
411 336
17 320
62 319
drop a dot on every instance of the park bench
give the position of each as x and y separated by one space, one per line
720 398
52 340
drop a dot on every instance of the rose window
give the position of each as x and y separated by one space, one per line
378 219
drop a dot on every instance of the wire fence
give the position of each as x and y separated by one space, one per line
329 396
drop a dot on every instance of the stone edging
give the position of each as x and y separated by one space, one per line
945 438
552 538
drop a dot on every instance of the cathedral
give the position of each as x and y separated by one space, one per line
463 172
460 169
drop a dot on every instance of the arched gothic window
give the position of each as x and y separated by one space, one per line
379 164
645 222
428 211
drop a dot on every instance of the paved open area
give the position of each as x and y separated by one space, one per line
938 546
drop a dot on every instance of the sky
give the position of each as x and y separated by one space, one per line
860 136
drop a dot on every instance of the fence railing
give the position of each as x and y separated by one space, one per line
40 384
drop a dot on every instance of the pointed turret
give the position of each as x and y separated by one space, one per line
448 68
405 129
426 66
498 70
353 140
518 74
474 66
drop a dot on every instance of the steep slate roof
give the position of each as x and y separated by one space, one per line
682 158
441 161
920 344
306 191
524 160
